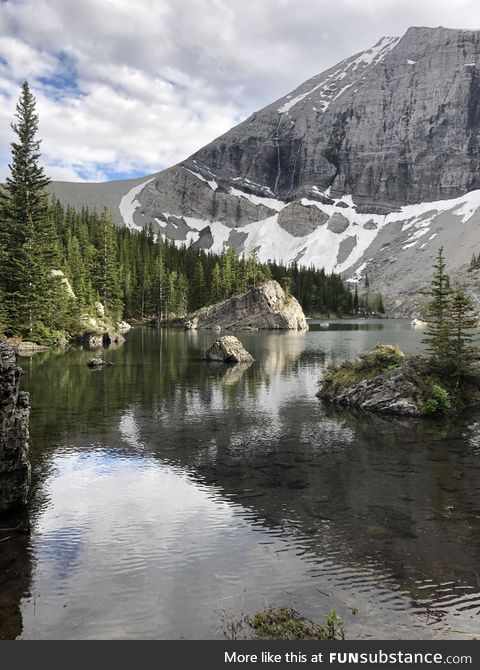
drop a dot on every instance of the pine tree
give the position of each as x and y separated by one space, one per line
107 280
380 306
463 329
34 299
438 334
216 288
198 293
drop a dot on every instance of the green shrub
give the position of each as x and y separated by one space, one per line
442 397
438 402
429 406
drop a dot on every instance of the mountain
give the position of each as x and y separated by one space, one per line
369 166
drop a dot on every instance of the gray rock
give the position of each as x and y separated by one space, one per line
338 223
14 446
229 350
393 392
300 220
346 247
265 307
123 327
96 363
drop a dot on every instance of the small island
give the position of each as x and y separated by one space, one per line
446 380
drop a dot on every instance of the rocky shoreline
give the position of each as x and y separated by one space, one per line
14 436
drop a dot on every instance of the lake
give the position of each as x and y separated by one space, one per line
171 496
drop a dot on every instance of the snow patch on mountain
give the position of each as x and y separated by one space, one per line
272 203
212 183
327 87
325 248
129 203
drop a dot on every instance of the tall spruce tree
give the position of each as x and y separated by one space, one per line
108 279
34 298
438 333
463 329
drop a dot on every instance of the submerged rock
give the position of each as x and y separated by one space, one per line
264 307
96 363
229 350
14 417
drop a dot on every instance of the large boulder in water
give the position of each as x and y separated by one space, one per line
381 380
229 350
14 417
264 307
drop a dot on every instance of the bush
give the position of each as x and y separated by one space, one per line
438 402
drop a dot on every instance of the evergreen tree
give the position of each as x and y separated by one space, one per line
34 298
438 333
463 329
198 293
216 288
107 281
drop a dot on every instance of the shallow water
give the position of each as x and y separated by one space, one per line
171 496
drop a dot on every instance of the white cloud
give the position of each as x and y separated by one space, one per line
147 82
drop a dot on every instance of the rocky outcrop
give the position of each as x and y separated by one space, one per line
229 350
265 307
99 331
14 417
381 380
300 220
391 392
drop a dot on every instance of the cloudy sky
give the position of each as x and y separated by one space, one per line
127 87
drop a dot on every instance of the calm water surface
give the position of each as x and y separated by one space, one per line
171 495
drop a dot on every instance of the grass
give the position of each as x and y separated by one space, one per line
377 361
285 623
280 623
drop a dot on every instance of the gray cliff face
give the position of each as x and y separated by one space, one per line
14 416
265 307
394 126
